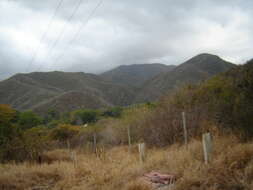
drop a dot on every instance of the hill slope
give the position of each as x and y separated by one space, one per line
135 75
198 68
68 91
59 89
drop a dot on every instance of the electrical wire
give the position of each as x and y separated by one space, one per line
63 29
80 29
44 35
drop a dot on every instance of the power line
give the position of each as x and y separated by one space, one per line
44 34
80 28
63 29
87 20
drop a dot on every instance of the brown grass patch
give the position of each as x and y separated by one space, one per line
56 155
231 168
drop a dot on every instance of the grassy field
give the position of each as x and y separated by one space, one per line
230 169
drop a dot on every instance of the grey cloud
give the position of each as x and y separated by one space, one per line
122 32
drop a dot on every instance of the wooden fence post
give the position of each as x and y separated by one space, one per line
95 143
185 129
68 145
129 139
73 158
207 147
142 153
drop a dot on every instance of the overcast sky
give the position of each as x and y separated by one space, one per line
120 32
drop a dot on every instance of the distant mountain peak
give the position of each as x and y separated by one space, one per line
204 58
206 55
194 70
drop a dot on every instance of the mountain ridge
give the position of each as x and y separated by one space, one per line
66 91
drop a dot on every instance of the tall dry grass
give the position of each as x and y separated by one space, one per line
231 168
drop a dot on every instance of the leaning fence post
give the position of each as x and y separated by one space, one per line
142 153
185 129
129 139
207 147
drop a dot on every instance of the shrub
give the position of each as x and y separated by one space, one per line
24 145
64 132
36 141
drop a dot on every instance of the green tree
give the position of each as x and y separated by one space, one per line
29 119
113 112
51 115
7 114
8 131
84 116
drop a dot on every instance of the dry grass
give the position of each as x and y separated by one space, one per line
231 168
56 156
